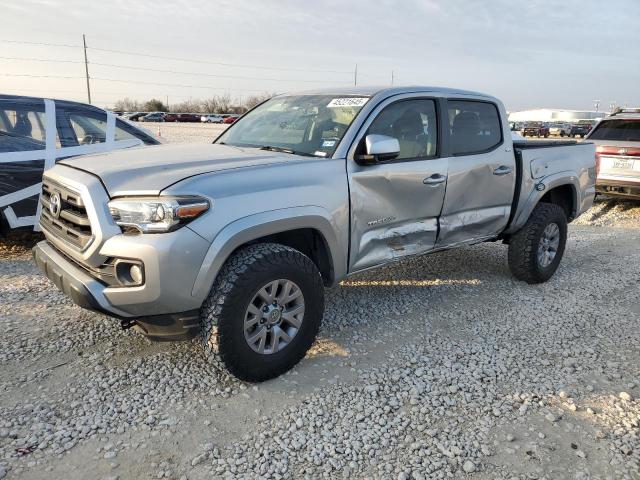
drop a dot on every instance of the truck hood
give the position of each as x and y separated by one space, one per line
149 170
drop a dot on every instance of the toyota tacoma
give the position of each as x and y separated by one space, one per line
234 241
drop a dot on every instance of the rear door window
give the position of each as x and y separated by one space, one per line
617 130
475 127
89 128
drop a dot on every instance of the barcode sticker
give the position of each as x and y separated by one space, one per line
347 102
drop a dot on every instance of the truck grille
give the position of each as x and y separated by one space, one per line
64 214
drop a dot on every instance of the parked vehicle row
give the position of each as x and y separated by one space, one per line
235 240
559 129
178 117
219 118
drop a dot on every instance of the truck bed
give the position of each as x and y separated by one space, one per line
538 160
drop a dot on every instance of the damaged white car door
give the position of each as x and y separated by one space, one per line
396 198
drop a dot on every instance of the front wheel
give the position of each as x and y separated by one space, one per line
536 249
264 311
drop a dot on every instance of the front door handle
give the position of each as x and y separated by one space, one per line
502 170
435 179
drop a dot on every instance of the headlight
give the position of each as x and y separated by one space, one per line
157 214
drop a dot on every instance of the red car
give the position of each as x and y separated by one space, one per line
535 129
230 119
181 117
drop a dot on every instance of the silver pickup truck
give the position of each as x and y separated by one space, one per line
235 240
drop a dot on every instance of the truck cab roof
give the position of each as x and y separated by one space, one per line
383 91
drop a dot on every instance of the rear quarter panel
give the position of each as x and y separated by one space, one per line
553 167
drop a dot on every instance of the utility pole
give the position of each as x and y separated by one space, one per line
391 77
168 103
355 76
86 67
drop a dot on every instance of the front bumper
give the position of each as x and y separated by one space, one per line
163 307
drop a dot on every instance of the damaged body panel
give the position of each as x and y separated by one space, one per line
479 195
393 213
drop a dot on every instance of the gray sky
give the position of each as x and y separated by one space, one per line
529 53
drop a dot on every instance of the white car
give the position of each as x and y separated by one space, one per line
560 129
36 132
211 118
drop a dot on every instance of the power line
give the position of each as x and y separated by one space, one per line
259 67
206 87
20 42
175 84
32 59
35 76
158 70
207 74
207 62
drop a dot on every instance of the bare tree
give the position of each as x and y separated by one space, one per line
216 104
127 105
209 105
154 105
188 106
225 104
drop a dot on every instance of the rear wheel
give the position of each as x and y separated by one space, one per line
536 249
264 311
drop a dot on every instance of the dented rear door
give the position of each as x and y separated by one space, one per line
482 173
395 205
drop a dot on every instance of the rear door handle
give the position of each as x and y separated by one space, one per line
502 170
435 179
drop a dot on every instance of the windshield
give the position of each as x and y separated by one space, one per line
620 130
306 125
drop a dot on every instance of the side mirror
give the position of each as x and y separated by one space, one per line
380 148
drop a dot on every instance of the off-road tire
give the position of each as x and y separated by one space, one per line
222 314
523 246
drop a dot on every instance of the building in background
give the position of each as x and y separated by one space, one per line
555 115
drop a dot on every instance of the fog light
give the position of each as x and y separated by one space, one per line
129 273
136 274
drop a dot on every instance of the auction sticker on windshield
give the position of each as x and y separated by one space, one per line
347 102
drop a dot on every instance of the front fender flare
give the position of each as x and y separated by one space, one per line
262 224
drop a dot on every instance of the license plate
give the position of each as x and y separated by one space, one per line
623 164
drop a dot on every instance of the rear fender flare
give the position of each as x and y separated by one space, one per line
550 182
255 226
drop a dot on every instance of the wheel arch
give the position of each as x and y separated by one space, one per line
559 189
307 229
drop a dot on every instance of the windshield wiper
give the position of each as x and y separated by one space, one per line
272 148
277 149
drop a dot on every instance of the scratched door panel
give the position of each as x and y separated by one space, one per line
393 212
482 173
478 202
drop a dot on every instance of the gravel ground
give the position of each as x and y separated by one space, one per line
185 132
